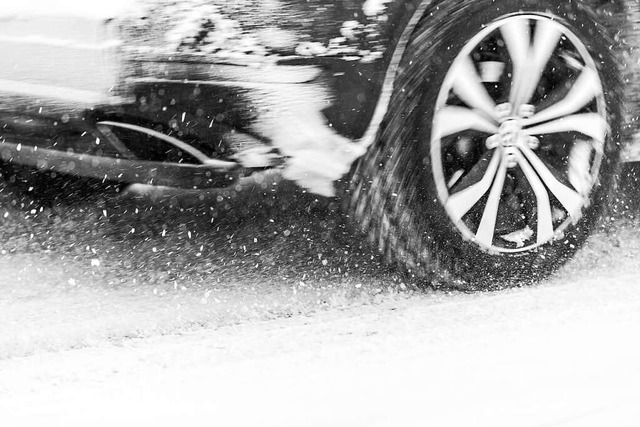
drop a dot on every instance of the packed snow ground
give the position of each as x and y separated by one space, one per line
132 314
563 353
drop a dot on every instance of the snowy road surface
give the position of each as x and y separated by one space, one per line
132 315
563 353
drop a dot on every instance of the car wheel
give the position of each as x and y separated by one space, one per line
500 145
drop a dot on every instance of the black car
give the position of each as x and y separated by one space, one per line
474 141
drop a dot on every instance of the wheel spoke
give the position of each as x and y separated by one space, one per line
545 217
451 120
454 178
590 124
468 86
458 204
476 172
487 227
585 88
517 38
569 198
579 164
545 40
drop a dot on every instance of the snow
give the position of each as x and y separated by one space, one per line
69 8
374 7
291 117
563 353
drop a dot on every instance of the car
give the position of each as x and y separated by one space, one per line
475 142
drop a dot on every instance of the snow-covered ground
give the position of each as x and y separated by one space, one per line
563 353
93 270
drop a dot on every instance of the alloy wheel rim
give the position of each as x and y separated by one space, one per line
518 133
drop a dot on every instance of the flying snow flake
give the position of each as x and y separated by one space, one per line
374 7
519 237
95 262
310 49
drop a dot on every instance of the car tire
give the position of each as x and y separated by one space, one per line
487 173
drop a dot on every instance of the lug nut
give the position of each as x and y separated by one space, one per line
493 142
526 111
510 157
504 110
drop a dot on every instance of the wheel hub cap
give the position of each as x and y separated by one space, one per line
510 132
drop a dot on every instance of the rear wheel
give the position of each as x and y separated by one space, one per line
500 146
